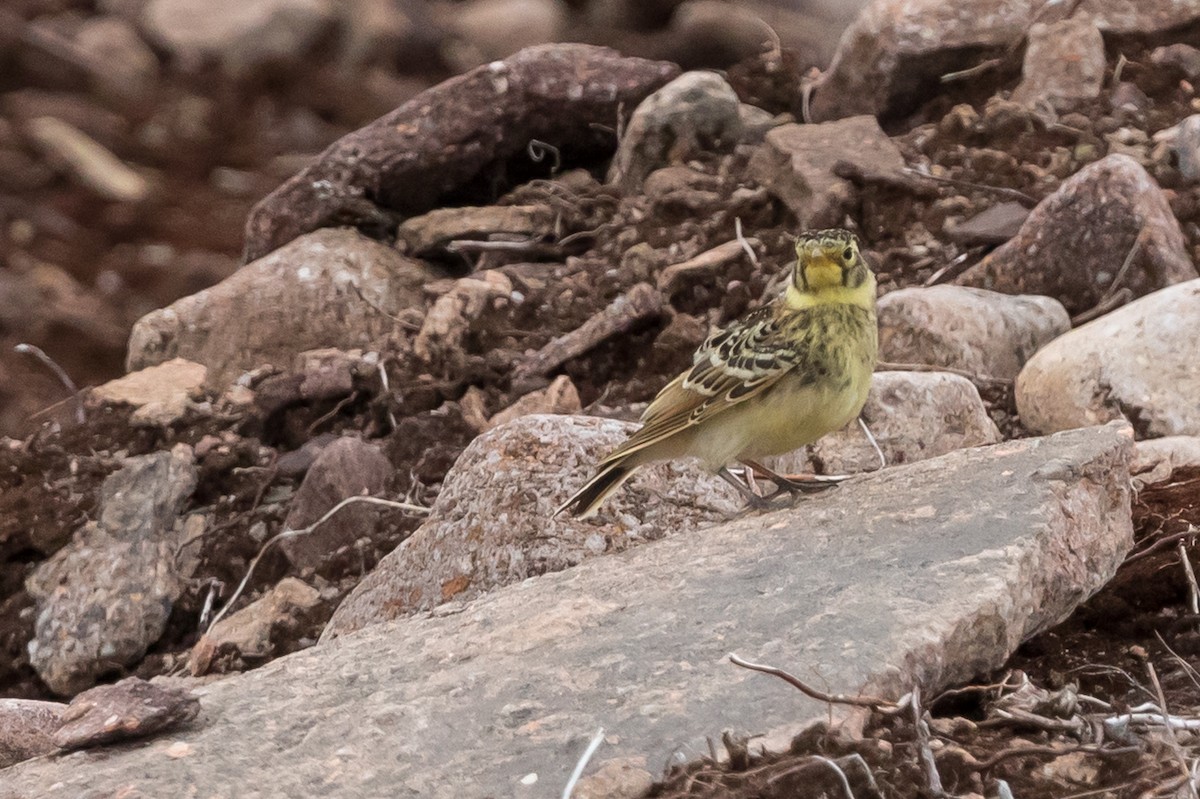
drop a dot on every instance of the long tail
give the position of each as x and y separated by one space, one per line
584 502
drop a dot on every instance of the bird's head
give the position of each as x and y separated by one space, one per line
830 268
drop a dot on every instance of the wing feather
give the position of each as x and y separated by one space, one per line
734 365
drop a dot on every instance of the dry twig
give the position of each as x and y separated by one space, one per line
877 704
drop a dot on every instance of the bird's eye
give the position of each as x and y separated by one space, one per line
847 254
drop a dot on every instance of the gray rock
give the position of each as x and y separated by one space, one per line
132 708
1157 459
1064 64
695 112
242 36
995 225
896 46
909 576
797 163
105 598
1137 363
251 318
491 523
346 468
982 332
1075 242
27 729
913 416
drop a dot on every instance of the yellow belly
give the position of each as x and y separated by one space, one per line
789 416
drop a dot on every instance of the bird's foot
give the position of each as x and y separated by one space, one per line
793 484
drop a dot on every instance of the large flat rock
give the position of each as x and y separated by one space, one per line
931 572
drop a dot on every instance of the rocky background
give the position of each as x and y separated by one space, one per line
311 265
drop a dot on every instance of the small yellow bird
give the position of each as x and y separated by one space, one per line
778 379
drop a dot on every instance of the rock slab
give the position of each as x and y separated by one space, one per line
1138 363
913 574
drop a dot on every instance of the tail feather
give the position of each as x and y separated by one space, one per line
584 502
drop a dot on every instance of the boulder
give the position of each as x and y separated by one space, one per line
696 112
343 286
913 416
1138 363
491 524
1078 244
978 331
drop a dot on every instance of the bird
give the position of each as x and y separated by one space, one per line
775 380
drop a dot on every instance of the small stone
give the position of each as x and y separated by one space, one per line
913 416
797 164
106 597
1136 363
248 633
1064 64
616 778
995 225
130 68
695 113
1129 100
1182 57
982 332
1187 148
559 397
1074 244
1157 459
348 467
27 729
161 394
133 708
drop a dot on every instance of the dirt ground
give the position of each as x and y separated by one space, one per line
51 468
